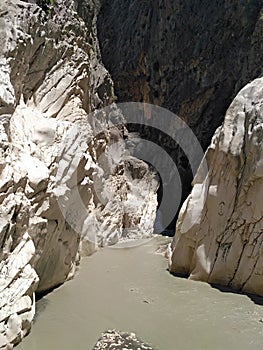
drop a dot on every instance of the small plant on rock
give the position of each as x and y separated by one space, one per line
46 5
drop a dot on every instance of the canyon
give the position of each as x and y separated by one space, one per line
191 57
71 181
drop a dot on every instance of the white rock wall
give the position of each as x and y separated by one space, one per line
219 232
65 188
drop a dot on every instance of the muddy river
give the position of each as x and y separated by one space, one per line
129 289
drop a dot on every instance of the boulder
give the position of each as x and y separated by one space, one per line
116 340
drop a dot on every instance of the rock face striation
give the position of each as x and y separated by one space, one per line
191 57
18 281
67 182
219 233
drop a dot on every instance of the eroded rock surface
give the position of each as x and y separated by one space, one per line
219 231
190 57
18 281
66 180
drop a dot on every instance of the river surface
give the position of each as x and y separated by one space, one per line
130 290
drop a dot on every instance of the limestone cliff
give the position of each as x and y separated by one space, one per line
68 183
191 57
64 188
219 231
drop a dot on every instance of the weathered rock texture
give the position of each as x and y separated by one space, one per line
119 341
18 280
191 57
63 183
219 232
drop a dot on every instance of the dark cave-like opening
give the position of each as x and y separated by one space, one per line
164 224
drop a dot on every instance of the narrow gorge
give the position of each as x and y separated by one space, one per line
121 121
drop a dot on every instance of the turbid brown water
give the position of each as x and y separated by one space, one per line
130 290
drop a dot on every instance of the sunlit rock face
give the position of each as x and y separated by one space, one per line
65 187
18 281
219 231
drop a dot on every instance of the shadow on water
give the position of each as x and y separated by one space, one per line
179 275
256 299
40 295
40 307
42 302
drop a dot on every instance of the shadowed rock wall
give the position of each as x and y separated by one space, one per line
191 57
